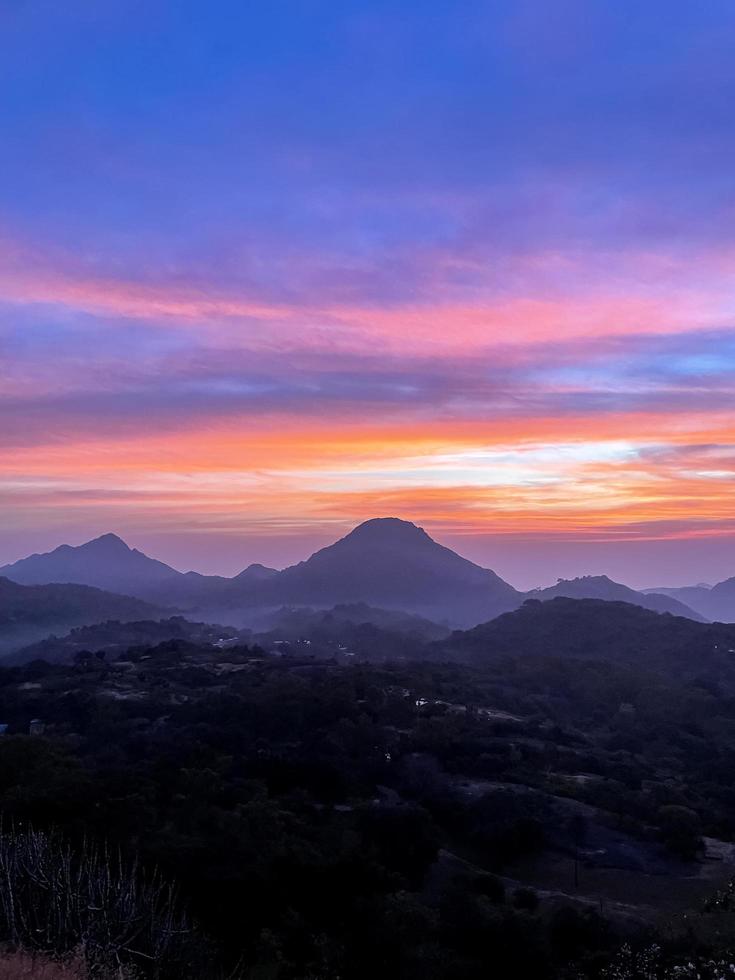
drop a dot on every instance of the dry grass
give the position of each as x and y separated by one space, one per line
23 966
19 965
90 901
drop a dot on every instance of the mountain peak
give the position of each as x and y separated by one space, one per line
393 564
107 543
388 529
105 562
256 573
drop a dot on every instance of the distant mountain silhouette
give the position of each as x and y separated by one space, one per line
29 613
105 563
716 602
395 564
602 587
384 562
108 562
614 632
721 601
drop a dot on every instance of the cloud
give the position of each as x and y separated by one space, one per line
447 263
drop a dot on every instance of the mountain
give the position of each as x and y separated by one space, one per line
394 564
106 563
602 587
720 601
592 629
385 562
28 613
716 602
114 637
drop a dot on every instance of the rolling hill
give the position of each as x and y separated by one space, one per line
592 629
602 587
29 613
115 637
300 621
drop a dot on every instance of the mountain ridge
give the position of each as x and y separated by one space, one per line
716 602
385 562
605 588
103 562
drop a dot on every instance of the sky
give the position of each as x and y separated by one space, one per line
268 269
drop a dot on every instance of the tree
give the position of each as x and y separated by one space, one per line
681 831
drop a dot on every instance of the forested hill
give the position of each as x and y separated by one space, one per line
29 613
521 817
591 629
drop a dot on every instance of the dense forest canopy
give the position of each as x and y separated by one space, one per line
525 813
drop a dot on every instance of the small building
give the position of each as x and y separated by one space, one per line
36 727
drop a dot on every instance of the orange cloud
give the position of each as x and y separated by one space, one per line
545 477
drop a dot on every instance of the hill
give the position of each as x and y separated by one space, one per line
716 602
614 632
349 630
29 613
302 621
114 637
504 816
602 587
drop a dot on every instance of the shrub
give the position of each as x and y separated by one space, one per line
58 900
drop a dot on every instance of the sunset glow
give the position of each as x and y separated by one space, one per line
251 322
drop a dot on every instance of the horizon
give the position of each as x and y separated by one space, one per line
525 580
265 273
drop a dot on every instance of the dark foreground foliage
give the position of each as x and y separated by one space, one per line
91 903
524 817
